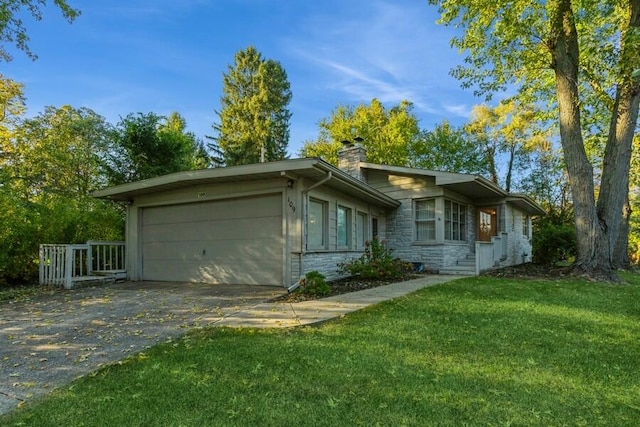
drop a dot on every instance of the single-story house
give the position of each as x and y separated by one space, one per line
270 223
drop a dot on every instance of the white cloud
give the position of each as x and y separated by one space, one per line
382 50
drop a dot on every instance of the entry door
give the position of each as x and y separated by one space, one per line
487 224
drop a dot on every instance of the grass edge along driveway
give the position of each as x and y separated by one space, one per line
477 351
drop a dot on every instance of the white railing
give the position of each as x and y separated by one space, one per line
106 256
62 265
490 254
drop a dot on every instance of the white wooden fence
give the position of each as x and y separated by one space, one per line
64 265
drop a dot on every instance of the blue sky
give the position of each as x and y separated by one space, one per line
122 57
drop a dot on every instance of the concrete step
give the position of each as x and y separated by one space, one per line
458 270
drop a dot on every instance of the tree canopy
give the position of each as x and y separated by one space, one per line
447 148
571 56
148 145
12 29
254 116
388 134
48 168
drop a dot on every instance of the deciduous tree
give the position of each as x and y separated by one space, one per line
564 53
507 131
50 165
148 145
12 29
447 148
388 134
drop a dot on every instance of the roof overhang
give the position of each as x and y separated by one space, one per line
526 204
312 170
475 187
472 186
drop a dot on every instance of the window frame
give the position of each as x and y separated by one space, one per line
526 226
343 229
455 221
362 235
419 222
324 225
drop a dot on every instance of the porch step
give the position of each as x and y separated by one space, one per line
467 263
459 270
464 267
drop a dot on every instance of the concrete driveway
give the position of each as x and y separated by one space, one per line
52 339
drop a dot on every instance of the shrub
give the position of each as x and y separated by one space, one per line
553 241
315 284
377 262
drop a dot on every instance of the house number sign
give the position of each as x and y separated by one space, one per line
291 204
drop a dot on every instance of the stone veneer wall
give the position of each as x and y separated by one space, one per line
327 262
434 256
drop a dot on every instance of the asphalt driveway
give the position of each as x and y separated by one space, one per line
51 340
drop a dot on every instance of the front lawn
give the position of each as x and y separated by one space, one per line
478 351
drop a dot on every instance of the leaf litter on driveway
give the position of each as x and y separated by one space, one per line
48 341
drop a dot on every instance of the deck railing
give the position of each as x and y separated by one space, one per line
63 265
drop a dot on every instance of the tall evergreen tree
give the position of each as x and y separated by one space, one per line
254 119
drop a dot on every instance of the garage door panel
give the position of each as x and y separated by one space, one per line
218 273
227 229
210 211
214 250
225 241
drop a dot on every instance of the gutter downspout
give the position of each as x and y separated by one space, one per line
305 209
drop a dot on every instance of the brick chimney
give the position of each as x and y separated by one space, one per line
350 157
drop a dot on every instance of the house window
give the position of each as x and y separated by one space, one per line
425 214
344 226
455 221
361 229
525 225
317 225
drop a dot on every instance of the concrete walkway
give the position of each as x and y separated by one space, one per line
49 341
285 315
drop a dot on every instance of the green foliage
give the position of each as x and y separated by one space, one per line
315 284
577 58
147 145
254 115
447 148
388 134
12 29
49 166
377 262
510 130
554 238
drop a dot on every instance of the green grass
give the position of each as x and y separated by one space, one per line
479 351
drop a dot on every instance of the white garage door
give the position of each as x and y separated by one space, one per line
236 241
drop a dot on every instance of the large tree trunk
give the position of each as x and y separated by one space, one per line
621 251
593 256
597 226
613 202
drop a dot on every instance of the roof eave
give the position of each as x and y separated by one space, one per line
526 203
127 192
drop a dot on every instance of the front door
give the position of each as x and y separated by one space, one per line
487 224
